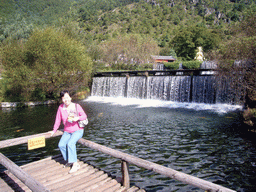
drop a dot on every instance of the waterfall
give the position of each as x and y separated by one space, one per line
195 89
169 88
109 86
137 87
203 89
227 92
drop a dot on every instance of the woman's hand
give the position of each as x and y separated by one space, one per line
75 118
51 132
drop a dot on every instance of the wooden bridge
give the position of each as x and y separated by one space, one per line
49 175
188 72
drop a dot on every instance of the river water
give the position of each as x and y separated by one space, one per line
197 139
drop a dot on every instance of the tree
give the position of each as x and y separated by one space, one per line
184 45
188 39
167 51
47 62
237 60
131 49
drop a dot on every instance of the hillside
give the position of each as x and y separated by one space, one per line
100 20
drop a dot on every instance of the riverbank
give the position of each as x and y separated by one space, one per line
78 96
249 116
26 104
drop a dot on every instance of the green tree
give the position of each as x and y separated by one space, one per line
131 50
237 60
184 45
167 51
188 39
47 62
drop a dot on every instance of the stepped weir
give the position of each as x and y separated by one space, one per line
197 86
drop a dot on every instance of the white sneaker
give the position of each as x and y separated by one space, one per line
74 168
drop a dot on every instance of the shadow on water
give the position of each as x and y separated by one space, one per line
201 143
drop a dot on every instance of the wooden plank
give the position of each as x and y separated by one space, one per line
105 186
62 172
56 178
132 189
43 166
22 175
125 174
85 181
113 188
90 181
56 182
150 72
15 183
47 172
121 189
73 181
96 185
141 190
4 186
38 162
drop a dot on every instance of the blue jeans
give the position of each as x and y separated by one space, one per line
67 145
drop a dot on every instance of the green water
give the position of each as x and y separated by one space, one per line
201 143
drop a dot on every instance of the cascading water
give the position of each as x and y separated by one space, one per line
226 93
203 89
194 89
169 88
137 87
109 86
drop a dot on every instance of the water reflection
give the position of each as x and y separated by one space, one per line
201 143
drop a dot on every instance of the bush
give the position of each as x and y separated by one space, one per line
172 65
250 117
191 64
46 63
124 66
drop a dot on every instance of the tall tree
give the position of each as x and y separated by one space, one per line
188 39
237 61
131 49
47 62
239 56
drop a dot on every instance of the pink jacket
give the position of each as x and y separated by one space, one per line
62 115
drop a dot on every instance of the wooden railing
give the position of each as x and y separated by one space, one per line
24 177
29 181
129 159
190 72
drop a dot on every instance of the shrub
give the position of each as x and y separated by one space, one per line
46 63
172 65
250 116
191 64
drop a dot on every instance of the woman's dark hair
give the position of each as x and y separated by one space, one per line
62 93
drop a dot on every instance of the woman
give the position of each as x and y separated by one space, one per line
69 113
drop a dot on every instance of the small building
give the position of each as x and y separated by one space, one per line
163 59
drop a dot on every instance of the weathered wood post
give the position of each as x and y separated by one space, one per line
29 181
125 174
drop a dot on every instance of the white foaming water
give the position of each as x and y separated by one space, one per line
140 103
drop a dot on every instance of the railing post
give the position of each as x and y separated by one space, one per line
125 174
23 176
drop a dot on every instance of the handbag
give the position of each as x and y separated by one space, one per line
82 123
